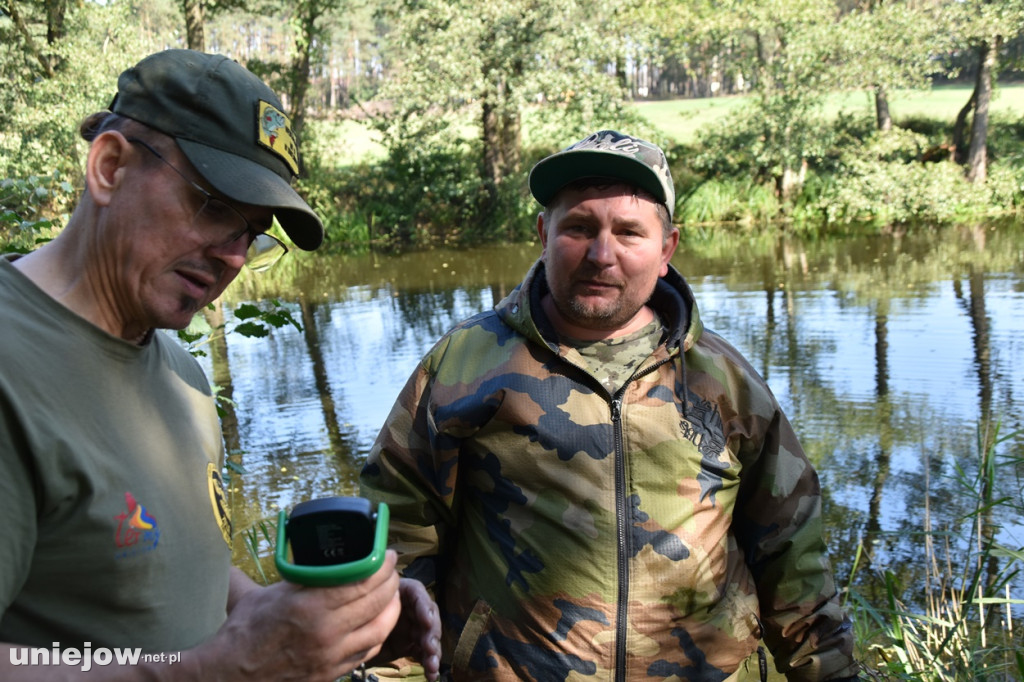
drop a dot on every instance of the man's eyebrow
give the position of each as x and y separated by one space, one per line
577 214
619 221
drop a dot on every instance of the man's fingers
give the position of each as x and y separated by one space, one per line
365 642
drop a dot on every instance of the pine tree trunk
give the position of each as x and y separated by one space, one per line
195 34
300 75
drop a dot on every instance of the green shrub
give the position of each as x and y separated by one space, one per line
936 130
1005 141
410 194
854 175
42 114
885 181
728 200
1005 187
751 143
32 210
896 192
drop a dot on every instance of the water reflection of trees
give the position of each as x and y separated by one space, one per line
864 440
311 334
875 451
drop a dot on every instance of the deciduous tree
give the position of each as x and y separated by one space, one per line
58 64
310 25
787 50
980 27
885 45
469 70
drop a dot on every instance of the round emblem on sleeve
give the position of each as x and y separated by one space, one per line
219 501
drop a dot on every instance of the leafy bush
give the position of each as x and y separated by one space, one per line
761 144
1006 140
896 192
883 181
934 129
413 198
412 193
1005 187
855 175
42 113
32 210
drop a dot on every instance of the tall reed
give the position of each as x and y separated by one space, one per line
966 629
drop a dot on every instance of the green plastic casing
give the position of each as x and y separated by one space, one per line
336 574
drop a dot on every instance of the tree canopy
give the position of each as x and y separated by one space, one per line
462 95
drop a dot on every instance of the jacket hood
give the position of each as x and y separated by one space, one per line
672 299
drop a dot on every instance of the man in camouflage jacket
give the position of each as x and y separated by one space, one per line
588 507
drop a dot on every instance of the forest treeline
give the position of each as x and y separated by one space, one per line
462 98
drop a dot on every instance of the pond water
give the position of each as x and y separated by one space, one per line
890 355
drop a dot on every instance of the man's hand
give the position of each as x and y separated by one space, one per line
272 634
287 631
418 632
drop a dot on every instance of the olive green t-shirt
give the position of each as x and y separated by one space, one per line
115 527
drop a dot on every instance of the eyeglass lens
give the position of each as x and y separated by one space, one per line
221 219
264 251
218 220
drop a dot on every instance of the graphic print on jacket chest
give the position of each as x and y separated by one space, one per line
702 426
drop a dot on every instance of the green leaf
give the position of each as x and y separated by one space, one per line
247 311
189 337
252 330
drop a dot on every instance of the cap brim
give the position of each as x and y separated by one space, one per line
248 182
556 171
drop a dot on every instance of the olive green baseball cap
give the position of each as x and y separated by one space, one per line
229 125
606 154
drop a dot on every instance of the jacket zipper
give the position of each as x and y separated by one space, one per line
625 543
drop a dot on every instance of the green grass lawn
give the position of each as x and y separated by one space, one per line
680 119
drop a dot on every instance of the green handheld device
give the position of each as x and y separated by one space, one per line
334 540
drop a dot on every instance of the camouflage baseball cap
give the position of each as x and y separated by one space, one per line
229 125
610 154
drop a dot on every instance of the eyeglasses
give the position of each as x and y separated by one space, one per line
223 223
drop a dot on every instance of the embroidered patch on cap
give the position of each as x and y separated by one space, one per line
276 135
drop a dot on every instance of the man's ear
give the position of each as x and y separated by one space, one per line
668 249
541 231
106 165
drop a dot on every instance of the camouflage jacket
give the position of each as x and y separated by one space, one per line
567 534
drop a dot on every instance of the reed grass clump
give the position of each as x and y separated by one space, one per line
964 625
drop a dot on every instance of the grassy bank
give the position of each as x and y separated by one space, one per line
681 120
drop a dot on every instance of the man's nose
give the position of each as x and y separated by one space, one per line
602 249
233 253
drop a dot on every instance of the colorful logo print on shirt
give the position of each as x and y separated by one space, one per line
137 530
